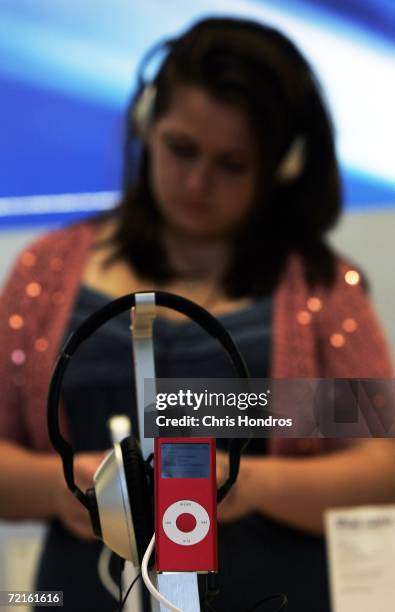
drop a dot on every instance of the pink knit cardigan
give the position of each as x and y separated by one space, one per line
327 333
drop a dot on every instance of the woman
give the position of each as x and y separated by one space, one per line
231 183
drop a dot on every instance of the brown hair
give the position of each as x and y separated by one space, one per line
260 70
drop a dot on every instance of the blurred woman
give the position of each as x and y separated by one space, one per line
231 183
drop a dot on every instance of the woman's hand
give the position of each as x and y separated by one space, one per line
71 512
296 491
240 500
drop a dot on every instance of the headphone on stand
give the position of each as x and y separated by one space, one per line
120 502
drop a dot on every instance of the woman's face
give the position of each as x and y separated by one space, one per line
203 165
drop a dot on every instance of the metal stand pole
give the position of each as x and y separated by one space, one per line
178 587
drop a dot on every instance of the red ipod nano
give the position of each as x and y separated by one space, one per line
185 505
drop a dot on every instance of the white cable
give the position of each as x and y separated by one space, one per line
103 569
147 581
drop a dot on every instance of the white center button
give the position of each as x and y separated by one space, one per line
186 522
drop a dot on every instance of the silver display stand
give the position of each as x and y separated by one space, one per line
180 588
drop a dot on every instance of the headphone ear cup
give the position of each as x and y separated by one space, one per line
93 510
140 498
143 110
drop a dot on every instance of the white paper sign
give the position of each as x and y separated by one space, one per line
361 554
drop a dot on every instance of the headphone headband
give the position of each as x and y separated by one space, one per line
198 314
